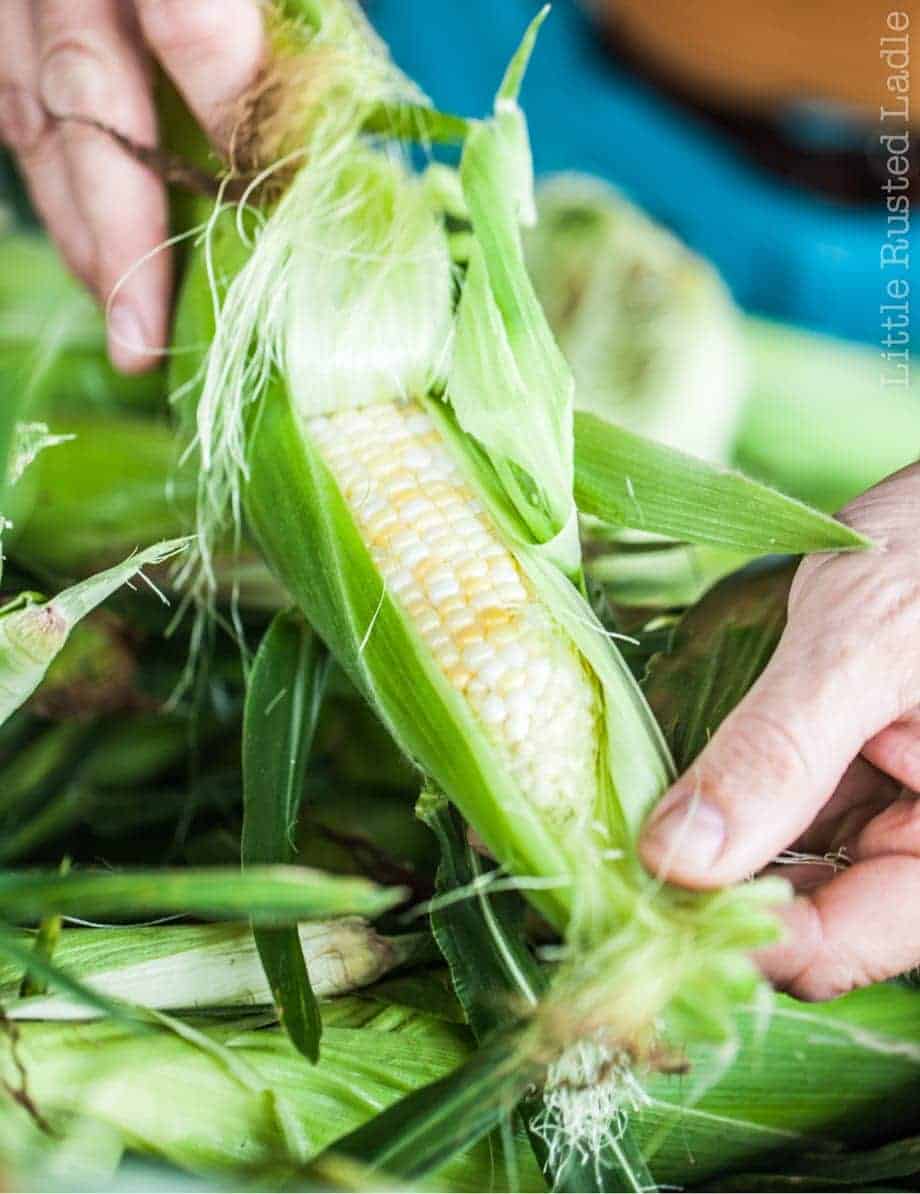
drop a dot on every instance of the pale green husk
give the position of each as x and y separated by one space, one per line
649 329
813 1078
32 634
201 967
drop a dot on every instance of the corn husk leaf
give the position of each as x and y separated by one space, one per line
149 1087
804 1080
37 766
197 967
114 484
13 392
807 1080
270 895
31 637
496 978
415 122
507 373
865 1170
660 575
492 970
624 479
36 968
283 699
423 1131
718 650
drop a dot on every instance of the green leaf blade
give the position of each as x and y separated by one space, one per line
424 1130
283 700
627 480
269 895
481 937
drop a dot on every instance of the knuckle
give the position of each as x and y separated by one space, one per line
816 985
74 80
888 512
830 969
854 615
23 122
763 739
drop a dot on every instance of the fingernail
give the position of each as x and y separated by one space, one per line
126 334
692 830
22 119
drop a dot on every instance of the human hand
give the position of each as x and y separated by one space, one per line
92 59
815 757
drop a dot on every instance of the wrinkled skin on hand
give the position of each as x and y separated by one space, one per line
93 59
823 754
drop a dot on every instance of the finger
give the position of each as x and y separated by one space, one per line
803 876
873 828
895 830
859 928
26 130
896 750
90 67
861 794
772 765
212 50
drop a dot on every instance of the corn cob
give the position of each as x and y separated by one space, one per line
443 560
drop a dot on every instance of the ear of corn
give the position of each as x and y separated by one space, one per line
649 328
431 544
333 576
206 966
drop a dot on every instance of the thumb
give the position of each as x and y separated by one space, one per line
770 767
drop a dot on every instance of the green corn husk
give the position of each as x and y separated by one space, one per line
202 967
113 484
259 1112
646 967
117 480
814 1081
648 327
33 635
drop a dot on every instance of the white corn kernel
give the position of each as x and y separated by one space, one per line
445 563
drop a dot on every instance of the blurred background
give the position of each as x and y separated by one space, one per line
749 130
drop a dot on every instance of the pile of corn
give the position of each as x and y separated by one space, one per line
243 931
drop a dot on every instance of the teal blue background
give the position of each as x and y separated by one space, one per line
784 252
